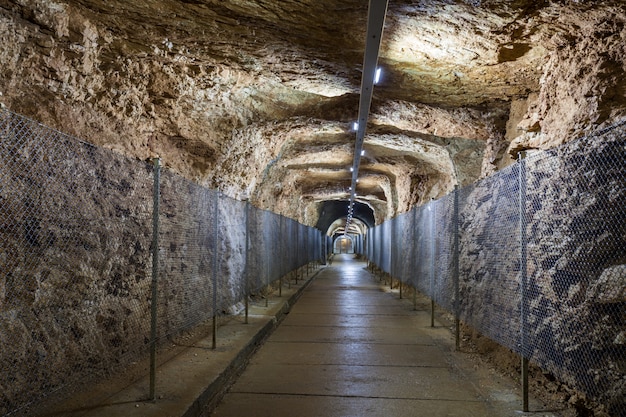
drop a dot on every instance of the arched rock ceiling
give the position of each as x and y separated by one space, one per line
257 97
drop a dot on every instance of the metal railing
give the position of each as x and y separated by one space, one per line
534 257
88 238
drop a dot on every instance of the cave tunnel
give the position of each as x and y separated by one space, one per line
343 244
395 183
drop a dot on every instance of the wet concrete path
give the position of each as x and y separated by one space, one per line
350 347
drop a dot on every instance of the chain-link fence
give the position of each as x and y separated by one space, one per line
76 259
533 257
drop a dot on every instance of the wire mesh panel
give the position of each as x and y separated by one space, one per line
328 247
75 223
302 245
423 248
576 216
282 253
378 245
489 257
231 279
541 259
188 235
272 225
411 248
443 287
401 249
395 262
254 259
386 242
269 235
288 239
76 266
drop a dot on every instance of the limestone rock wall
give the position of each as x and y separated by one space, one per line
76 258
75 241
230 94
576 247
569 314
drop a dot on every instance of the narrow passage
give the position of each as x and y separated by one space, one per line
350 347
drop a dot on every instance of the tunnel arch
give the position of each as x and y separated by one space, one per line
332 210
343 244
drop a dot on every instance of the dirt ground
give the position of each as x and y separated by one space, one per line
559 397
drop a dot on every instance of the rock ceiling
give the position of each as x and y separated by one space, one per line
257 97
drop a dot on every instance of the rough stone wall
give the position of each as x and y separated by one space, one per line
489 256
74 281
577 252
576 238
581 86
572 308
76 267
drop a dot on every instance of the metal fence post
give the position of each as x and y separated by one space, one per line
414 257
280 252
433 248
267 265
297 251
391 248
247 261
155 275
523 275
215 261
455 269
397 258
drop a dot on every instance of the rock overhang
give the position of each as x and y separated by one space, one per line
257 98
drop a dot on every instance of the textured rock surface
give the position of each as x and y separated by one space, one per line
576 231
74 286
568 316
257 97
76 260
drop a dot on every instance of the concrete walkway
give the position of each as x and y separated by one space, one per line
345 345
349 347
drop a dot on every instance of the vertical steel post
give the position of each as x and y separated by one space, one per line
247 261
433 264
307 248
523 275
268 254
414 256
455 269
215 261
280 253
391 265
432 313
297 251
399 259
155 274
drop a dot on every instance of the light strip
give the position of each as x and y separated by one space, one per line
375 25
377 76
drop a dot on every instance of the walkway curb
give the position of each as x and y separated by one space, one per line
204 405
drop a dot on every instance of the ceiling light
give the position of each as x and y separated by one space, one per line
375 24
377 76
